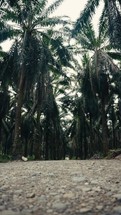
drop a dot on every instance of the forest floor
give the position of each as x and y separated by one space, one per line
68 187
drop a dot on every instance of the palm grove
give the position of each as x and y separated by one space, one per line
57 98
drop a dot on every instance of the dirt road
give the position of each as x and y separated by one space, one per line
91 187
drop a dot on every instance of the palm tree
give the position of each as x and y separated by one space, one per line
101 66
110 19
32 26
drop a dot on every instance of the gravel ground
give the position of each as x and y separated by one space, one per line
73 187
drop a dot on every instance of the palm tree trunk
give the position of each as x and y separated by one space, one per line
114 136
85 142
38 131
17 145
104 130
0 133
38 137
46 146
26 147
91 143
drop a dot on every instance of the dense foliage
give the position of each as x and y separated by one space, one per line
58 99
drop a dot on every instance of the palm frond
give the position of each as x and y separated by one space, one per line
3 54
49 21
6 31
115 55
85 43
106 62
103 23
114 29
8 67
39 6
87 37
9 15
52 7
85 15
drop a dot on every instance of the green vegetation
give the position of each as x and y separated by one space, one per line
58 99
5 158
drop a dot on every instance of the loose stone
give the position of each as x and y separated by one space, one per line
86 189
18 192
78 179
117 196
30 195
68 195
2 207
99 207
85 210
59 206
117 209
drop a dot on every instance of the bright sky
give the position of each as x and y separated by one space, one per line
71 8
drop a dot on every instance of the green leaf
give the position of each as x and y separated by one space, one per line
85 15
52 7
115 55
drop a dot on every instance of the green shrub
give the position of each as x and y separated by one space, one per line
5 158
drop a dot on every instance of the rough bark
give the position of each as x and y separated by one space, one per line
17 145
104 130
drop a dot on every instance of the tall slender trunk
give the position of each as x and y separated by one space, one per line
114 136
38 132
17 145
104 130
81 146
85 141
0 133
26 147
46 145
113 141
38 137
31 146
91 143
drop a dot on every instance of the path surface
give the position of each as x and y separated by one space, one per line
91 187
